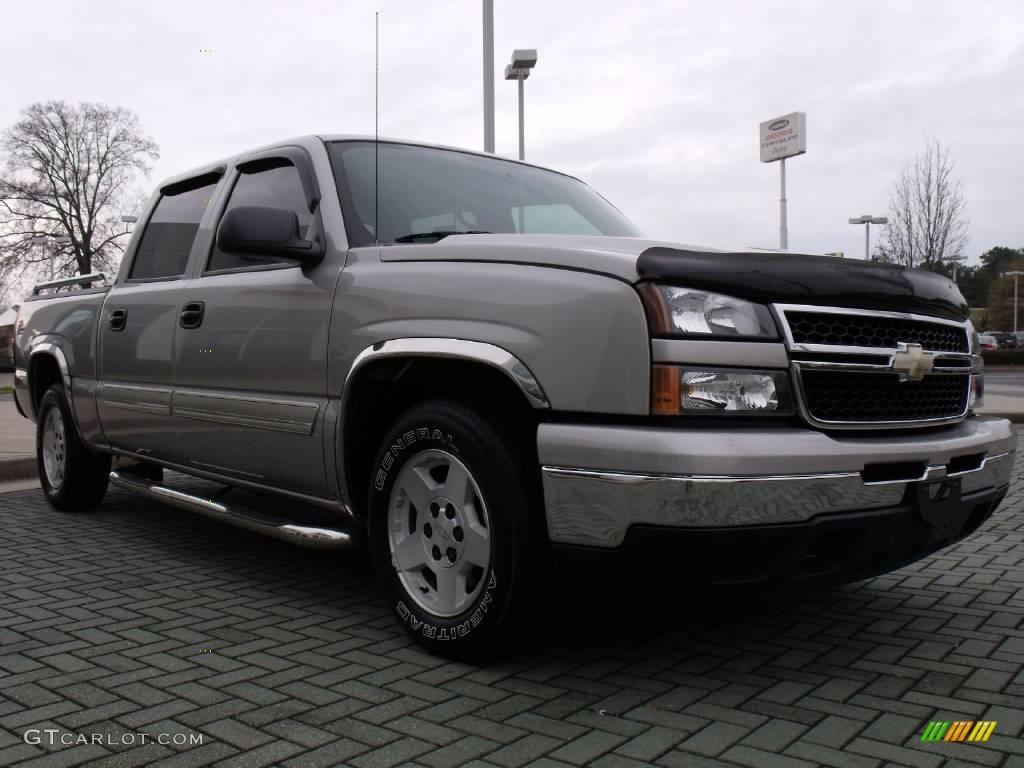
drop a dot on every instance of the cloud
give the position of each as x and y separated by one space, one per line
656 104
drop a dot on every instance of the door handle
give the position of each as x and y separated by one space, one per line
118 319
192 314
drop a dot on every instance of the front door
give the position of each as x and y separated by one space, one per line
250 366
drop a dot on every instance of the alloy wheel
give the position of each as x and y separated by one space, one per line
439 533
54 448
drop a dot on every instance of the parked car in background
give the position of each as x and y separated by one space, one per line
1004 339
987 342
7 319
1019 336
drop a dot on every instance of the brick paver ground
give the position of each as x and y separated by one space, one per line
141 619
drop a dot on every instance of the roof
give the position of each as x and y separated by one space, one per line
387 140
298 140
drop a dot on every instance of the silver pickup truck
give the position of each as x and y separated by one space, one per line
484 370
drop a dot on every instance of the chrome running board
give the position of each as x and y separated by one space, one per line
315 537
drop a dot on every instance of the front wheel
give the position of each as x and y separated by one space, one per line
73 477
455 529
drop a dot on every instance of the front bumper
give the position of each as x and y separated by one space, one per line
657 563
601 481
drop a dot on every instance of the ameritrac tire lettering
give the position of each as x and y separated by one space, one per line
432 632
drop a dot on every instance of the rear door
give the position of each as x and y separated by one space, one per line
139 320
250 370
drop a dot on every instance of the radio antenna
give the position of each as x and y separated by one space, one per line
376 125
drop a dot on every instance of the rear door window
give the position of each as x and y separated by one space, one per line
170 232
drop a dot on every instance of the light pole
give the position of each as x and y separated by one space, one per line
58 240
783 137
1015 274
488 75
783 230
523 60
867 220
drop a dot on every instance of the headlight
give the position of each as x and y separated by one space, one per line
976 398
676 390
685 311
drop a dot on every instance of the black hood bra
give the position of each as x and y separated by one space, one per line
798 279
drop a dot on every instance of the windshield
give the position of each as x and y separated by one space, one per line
424 191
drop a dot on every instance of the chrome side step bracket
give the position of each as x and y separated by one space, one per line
314 537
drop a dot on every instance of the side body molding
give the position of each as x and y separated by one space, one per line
459 349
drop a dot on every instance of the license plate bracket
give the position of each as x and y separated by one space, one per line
941 505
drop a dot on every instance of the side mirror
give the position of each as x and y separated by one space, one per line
264 231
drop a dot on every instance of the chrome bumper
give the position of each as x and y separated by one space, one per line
598 481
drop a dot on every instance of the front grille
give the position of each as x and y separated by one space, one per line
874 331
853 397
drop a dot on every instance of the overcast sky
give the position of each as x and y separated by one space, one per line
654 103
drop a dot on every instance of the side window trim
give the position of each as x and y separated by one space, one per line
207 177
254 268
297 157
165 279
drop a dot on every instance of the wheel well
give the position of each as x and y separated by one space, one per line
386 388
43 372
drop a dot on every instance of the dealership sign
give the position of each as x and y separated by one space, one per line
784 136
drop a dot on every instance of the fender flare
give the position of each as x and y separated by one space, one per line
53 350
458 349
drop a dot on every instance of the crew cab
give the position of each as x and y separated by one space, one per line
485 371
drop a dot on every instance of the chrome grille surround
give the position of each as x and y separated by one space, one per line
873 331
874 359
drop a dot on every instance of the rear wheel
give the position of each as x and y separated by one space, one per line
454 529
73 477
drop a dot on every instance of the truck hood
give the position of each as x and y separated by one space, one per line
750 273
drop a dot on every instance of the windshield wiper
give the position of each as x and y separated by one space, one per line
416 237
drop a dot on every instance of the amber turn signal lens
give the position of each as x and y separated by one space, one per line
665 380
659 318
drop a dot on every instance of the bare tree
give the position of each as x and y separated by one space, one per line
927 214
66 182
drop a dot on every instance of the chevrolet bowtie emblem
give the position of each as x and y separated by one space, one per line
911 362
